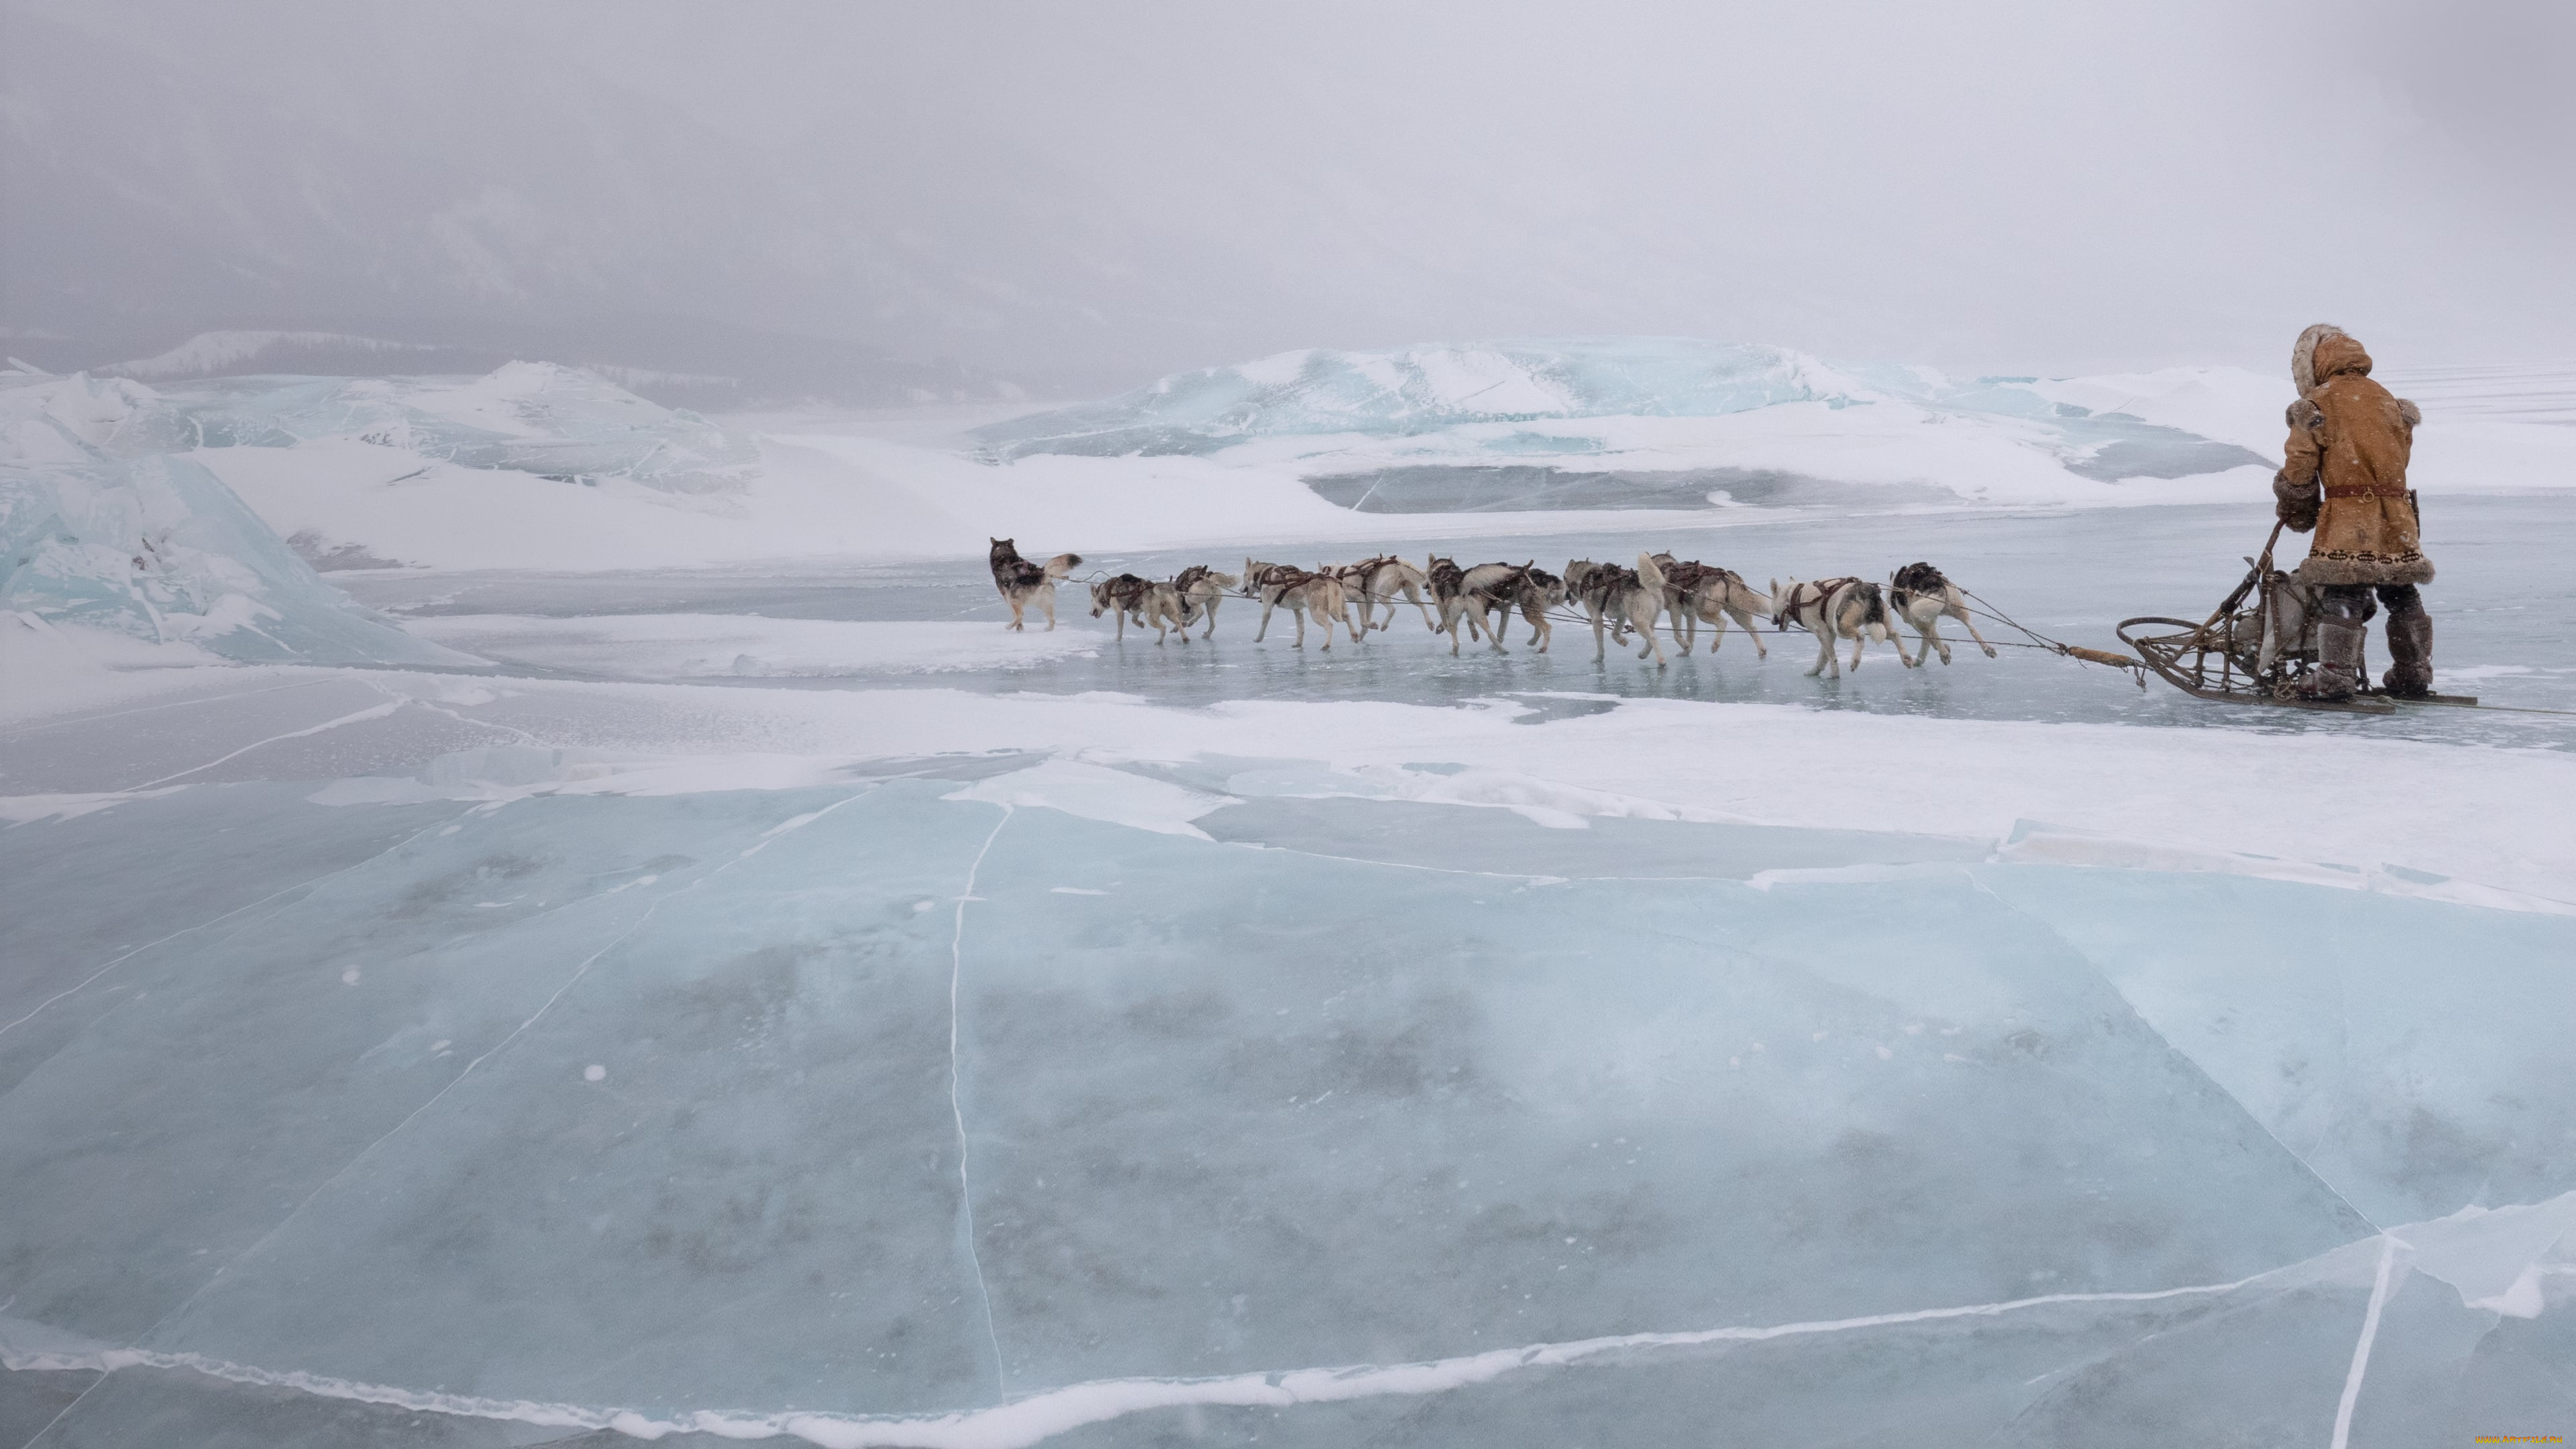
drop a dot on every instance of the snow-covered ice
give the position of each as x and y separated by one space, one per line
772 1000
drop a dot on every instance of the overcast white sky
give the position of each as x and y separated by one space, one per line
1135 187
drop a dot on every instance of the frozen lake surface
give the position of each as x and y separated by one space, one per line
781 1003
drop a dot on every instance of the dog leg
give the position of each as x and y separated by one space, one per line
1760 649
1824 655
1960 613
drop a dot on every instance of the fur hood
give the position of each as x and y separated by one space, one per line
2323 351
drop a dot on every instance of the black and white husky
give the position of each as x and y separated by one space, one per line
1630 598
1023 583
1918 594
1146 601
1833 609
1304 593
1696 593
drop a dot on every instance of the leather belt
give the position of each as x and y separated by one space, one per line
2361 490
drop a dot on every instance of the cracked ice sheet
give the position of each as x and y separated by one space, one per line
2483 816
1121 1034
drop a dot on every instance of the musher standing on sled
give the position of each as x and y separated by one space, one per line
2345 477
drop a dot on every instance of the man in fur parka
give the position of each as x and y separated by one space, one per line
2345 478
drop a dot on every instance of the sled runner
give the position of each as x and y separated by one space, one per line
2260 638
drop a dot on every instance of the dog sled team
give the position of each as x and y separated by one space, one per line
1617 601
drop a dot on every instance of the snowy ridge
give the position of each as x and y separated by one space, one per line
1423 389
210 352
528 417
2466 1250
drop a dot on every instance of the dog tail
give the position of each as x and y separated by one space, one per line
1649 574
1063 564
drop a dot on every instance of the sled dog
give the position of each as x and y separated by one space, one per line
1465 596
1696 593
1534 591
1834 609
1382 580
1146 601
1023 583
1628 598
1201 588
1918 594
1317 594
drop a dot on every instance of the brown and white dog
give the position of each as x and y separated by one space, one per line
1918 594
1304 593
1145 600
1382 580
1534 591
1833 609
1201 589
1631 598
1696 593
1023 583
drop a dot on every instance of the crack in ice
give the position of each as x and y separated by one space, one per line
2361 1348
373 712
957 1107
1039 1416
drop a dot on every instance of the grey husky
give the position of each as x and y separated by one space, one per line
1145 600
1023 583
1626 598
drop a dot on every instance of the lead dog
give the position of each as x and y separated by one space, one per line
1148 601
1380 580
1201 589
1918 594
1023 583
1630 597
1696 593
1834 609
1304 593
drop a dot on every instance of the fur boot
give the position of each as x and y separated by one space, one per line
2410 644
2338 671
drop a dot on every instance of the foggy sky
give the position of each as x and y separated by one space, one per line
1114 191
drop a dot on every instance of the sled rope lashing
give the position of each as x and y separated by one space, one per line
2081 654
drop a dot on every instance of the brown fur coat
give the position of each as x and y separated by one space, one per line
2345 474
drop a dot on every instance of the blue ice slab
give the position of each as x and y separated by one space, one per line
2413 1052
1212 1108
757 1201
238 1071
1312 1111
101 525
